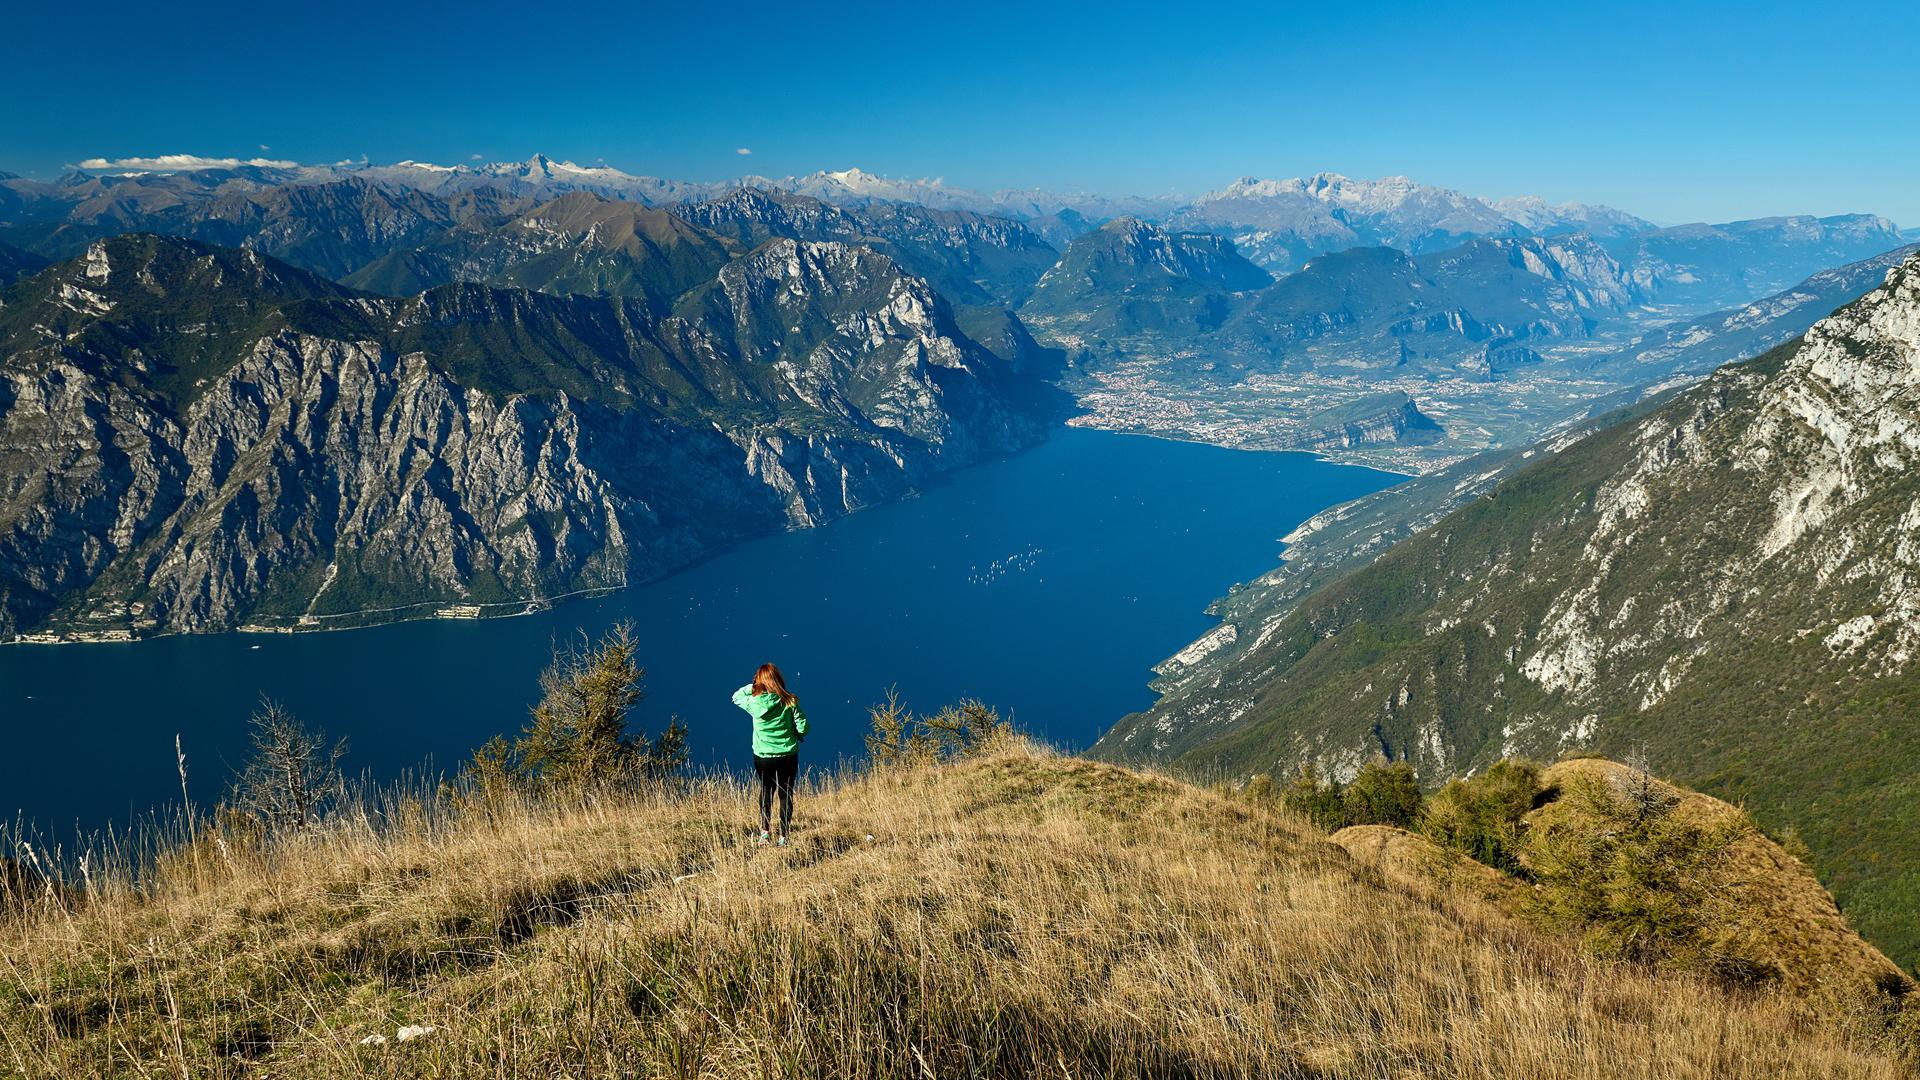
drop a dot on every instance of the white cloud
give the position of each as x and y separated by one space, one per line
473 157
178 163
264 148
744 150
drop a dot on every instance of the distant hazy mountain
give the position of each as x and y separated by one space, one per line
333 228
1282 224
540 176
1472 309
1706 267
1546 219
853 187
1727 583
1702 344
1279 224
200 437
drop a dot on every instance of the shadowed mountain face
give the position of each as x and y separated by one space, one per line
197 438
15 263
1726 582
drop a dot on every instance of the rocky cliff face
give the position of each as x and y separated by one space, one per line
1729 583
197 439
1390 418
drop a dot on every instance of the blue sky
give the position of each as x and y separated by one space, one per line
1676 111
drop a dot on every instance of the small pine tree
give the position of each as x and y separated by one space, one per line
900 739
577 739
1482 815
1383 793
1259 789
1636 880
292 776
1317 801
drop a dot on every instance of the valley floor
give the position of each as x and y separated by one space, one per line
1274 411
1020 914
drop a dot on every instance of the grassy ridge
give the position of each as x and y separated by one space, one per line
1018 914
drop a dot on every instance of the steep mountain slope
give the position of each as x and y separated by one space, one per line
973 259
198 438
16 263
1703 267
583 243
1015 915
1728 582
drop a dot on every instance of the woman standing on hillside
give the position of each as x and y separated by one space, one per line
778 728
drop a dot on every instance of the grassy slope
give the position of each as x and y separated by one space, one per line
1017 915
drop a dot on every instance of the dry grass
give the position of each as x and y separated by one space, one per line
1785 917
1016 915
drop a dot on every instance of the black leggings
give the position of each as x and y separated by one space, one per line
776 774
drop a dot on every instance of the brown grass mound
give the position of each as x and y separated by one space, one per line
1788 918
1017 915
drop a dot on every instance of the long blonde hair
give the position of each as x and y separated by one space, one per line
768 680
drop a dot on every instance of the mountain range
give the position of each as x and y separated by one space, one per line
569 377
1280 224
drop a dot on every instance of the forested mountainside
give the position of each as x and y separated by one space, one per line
200 438
1723 583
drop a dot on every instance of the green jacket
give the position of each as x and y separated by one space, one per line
777 727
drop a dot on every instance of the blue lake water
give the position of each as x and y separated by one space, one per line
1109 548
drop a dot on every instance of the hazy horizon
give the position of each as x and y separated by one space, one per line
1671 114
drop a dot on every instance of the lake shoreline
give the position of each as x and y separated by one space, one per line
458 612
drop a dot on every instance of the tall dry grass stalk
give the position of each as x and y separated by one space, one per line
1020 914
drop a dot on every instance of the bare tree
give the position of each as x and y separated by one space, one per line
293 776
